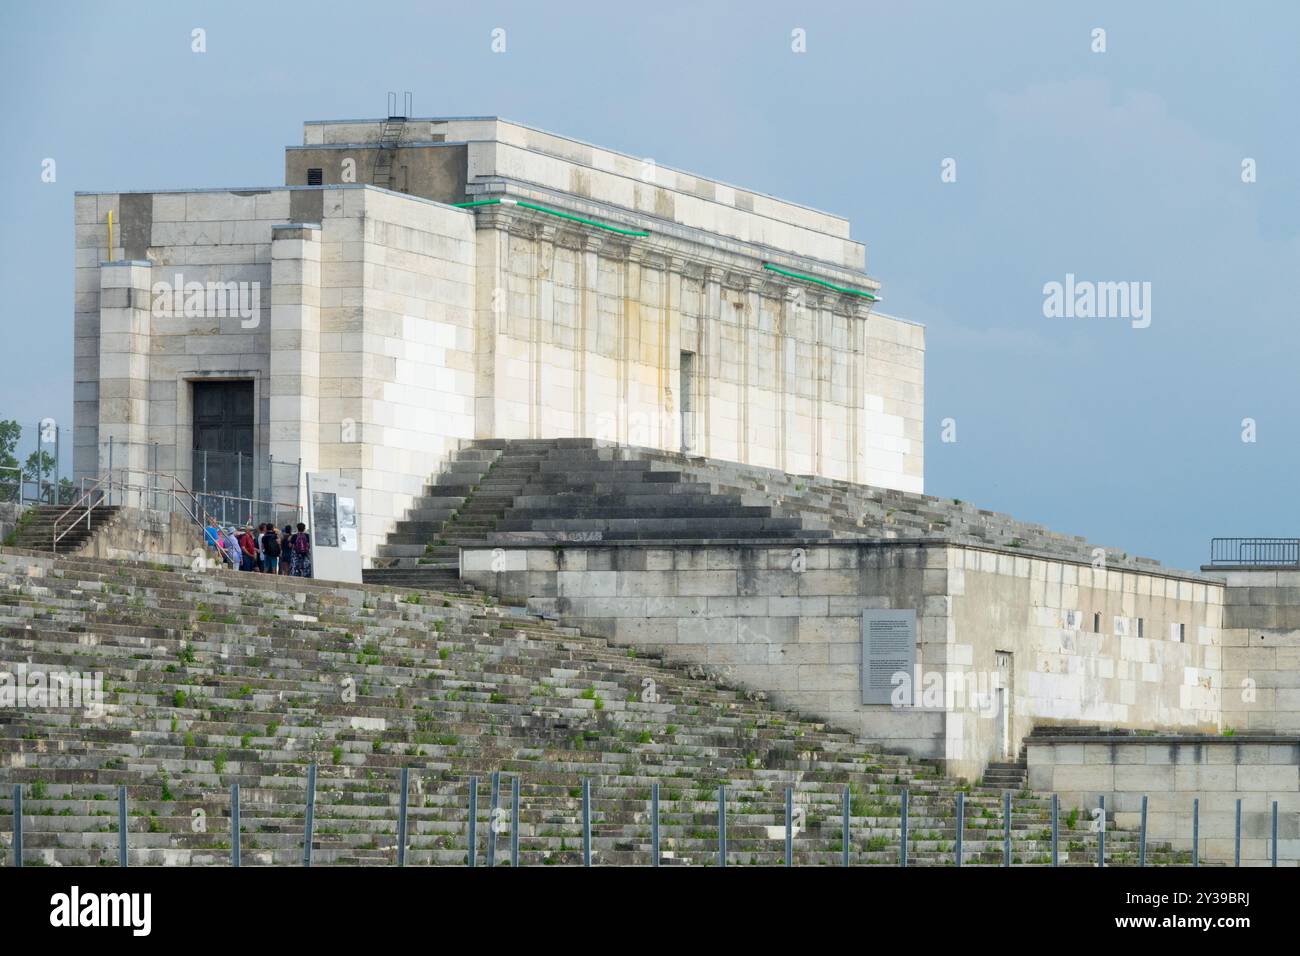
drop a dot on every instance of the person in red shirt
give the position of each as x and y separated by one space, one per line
248 547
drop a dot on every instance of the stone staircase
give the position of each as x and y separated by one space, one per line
35 530
562 489
214 678
504 491
1006 775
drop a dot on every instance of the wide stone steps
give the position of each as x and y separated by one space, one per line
214 678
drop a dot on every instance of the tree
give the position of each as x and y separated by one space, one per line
10 432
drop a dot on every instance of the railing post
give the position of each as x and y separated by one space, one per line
234 824
1101 833
1056 833
1236 853
1275 833
586 822
473 822
514 822
492 817
845 838
1006 828
121 826
902 819
1142 835
722 824
310 820
401 816
961 822
1196 831
789 826
18 824
654 824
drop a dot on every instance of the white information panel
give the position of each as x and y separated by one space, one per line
332 523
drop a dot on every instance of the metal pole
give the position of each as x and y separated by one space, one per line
1196 831
40 464
311 815
961 822
1056 817
902 850
586 822
1006 828
1142 835
789 826
514 821
1275 833
18 824
492 815
654 824
1236 854
234 824
401 817
722 824
1101 833
121 826
473 820
845 836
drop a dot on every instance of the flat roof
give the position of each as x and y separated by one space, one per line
580 142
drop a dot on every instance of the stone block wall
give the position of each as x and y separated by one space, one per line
1088 645
1261 650
360 348
786 619
1172 772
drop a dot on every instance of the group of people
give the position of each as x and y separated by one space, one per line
266 550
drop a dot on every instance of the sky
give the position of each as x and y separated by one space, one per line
981 152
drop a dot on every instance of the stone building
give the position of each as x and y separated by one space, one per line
417 283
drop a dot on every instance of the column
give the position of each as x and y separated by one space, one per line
125 301
295 355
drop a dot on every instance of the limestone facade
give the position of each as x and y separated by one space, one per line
379 328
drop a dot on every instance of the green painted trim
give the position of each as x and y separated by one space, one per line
829 285
641 233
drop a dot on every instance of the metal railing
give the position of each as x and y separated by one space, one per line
156 491
1255 552
501 822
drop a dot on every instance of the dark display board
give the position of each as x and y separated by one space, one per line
324 513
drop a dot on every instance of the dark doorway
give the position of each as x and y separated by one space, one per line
223 437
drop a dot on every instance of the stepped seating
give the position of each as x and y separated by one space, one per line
214 678
512 491
854 510
35 530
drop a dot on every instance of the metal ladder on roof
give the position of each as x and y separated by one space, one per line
390 134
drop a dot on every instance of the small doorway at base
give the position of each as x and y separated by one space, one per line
1006 736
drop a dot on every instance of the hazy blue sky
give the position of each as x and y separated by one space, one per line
1117 166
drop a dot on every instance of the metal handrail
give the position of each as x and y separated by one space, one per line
178 492
1255 552
54 545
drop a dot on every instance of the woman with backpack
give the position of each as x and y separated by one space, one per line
302 552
